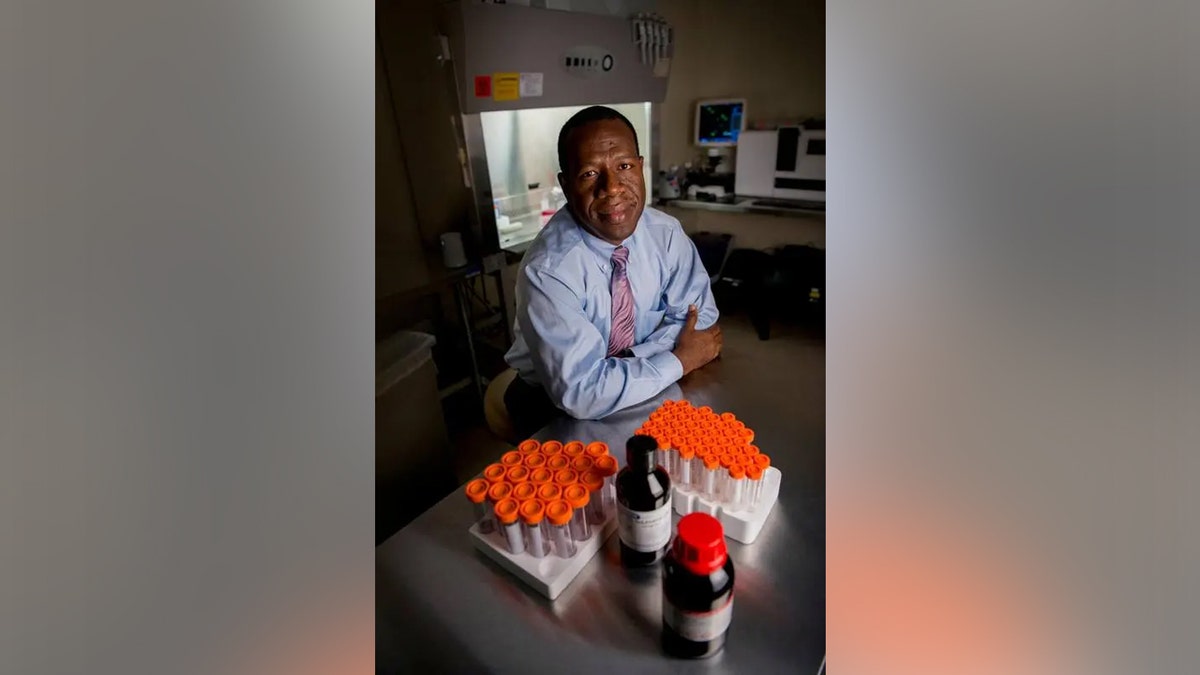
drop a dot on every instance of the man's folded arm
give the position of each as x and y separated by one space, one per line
688 285
569 354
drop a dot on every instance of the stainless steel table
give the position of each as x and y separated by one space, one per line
443 607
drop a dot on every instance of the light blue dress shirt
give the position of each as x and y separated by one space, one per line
564 313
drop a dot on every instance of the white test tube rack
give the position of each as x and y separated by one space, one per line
549 575
740 524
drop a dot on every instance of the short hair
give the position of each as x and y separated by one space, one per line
584 117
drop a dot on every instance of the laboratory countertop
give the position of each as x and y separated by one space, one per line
777 207
441 606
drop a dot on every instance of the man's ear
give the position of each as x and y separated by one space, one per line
562 182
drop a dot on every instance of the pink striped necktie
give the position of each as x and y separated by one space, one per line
620 337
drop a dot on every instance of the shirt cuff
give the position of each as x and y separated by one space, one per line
668 365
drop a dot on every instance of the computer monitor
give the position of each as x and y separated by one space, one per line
719 122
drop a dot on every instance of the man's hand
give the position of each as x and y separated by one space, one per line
694 348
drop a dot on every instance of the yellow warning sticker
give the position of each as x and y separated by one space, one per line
506 86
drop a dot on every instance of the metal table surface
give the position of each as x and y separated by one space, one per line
441 606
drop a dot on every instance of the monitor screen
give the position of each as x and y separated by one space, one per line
719 122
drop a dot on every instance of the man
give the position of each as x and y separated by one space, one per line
613 303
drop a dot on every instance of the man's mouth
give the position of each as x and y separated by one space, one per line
616 213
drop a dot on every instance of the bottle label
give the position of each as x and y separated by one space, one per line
645 531
698 626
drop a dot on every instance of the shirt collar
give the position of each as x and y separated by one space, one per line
603 249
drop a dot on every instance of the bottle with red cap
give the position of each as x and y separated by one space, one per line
697 589
643 504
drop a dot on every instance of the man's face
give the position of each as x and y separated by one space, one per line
603 181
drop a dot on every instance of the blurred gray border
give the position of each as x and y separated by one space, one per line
186 335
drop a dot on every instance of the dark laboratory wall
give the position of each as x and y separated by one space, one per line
418 183
770 52
398 246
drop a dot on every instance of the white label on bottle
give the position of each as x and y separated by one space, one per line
645 531
698 626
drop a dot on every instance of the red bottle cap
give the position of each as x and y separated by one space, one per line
700 544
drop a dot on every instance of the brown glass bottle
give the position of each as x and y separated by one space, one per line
697 589
643 504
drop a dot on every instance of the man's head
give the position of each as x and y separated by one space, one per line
601 172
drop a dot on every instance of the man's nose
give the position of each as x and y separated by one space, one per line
607 184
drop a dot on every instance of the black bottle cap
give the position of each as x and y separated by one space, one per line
639 453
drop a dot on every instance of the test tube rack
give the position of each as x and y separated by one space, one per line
742 525
549 575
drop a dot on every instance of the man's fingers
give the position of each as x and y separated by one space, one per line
692 317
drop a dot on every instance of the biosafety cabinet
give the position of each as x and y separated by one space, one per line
519 73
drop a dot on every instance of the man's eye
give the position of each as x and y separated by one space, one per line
626 166
587 174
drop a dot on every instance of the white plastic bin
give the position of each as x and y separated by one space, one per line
413 467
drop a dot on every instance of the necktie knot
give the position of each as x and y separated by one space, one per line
620 257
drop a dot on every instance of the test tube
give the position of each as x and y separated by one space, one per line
737 491
532 515
551 448
559 513
686 455
723 486
549 492
523 492
573 449
711 465
527 446
494 473
596 449
506 514
577 496
477 494
607 467
541 476
672 465
582 463
754 479
594 482
664 448
556 462
566 478
511 458
697 470
535 460
516 474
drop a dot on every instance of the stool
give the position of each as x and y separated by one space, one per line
494 410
